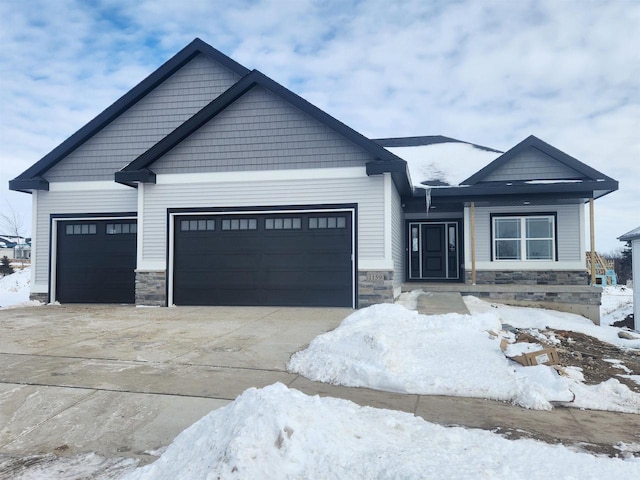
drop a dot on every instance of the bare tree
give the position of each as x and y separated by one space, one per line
12 224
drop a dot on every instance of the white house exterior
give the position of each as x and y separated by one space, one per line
211 184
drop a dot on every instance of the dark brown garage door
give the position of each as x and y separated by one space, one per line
287 259
96 261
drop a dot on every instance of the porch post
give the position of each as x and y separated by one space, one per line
592 242
473 243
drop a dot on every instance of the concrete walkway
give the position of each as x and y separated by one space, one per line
438 303
124 381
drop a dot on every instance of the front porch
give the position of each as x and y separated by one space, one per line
579 299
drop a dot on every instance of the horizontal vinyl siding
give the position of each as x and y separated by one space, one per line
367 192
166 107
261 131
83 202
568 228
533 165
398 242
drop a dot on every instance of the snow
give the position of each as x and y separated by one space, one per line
616 304
450 163
276 432
15 288
523 317
388 347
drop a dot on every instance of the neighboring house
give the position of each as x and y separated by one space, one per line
634 237
210 184
15 247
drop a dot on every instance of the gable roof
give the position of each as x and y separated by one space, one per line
591 183
438 160
535 143
632 235
31 179
138 170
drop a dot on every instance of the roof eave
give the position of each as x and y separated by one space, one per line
131 177
27 185
586 189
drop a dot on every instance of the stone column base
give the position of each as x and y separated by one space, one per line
40 297
375 286
151 288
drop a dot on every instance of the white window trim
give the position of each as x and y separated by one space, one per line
523 238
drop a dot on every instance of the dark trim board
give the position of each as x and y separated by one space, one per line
262 266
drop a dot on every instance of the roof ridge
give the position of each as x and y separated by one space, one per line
424 140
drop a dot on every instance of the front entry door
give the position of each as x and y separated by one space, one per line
434 251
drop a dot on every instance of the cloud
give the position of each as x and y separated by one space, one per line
490 72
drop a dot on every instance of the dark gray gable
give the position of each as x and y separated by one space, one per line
533 159
383 160
33 177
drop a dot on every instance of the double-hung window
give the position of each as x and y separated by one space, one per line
530 237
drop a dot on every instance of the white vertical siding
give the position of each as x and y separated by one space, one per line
367 192
118 200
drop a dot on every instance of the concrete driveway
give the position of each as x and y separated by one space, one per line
124 381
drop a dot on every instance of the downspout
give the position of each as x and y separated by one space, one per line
473 243
592 241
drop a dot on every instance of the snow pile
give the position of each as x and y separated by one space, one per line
523 317
15 288
276 432
387 347
450 163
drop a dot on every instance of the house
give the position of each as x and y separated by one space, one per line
211 184
634 237
15 247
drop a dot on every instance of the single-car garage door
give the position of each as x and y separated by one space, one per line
96 261
287 259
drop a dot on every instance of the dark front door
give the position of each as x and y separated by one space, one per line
434 261
96 261
434 252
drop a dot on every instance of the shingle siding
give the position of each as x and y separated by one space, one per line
532 164
367 192
261 131
157 114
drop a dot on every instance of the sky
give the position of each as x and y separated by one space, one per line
491 72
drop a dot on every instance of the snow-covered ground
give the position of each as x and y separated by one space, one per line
14 289
276 432
280 433
388 347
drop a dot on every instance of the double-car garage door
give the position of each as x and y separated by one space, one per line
279 259
294 258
